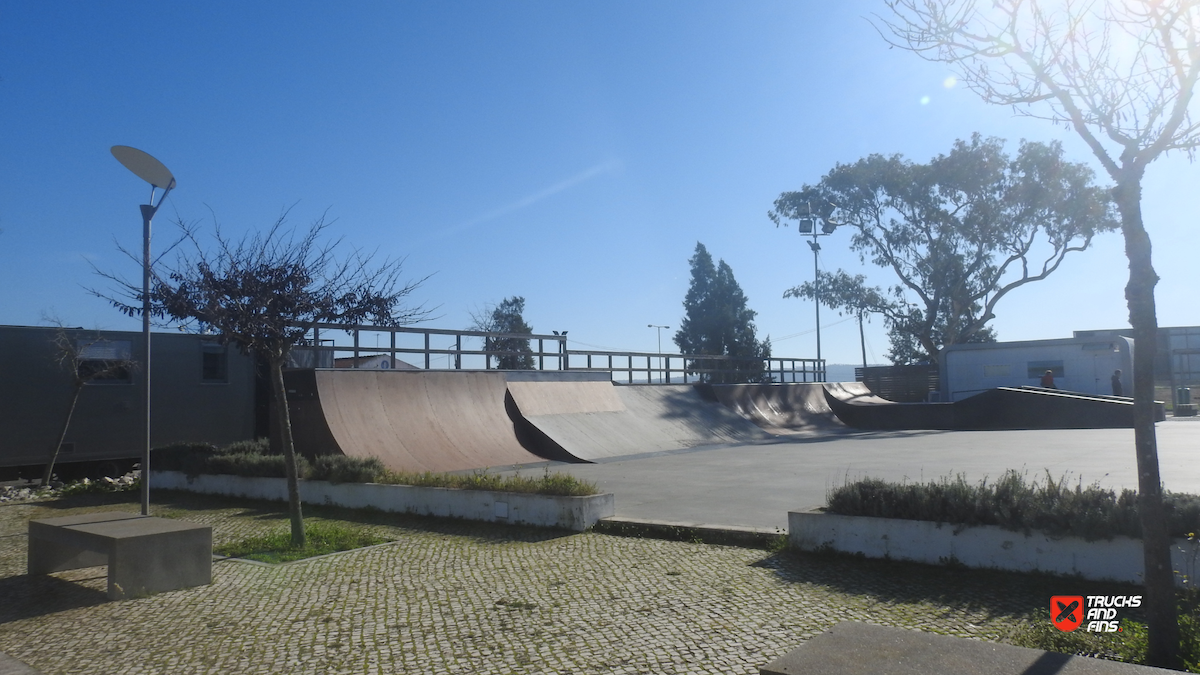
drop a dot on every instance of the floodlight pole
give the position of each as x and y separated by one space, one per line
659 331
153 172
807 225
816 248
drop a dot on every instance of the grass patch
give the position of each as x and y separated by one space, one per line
323 538
1128 645
558 484
1014 503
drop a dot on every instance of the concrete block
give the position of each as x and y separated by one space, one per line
144 555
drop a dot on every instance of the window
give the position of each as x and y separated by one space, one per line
1038 368
998 371
214 363
105 361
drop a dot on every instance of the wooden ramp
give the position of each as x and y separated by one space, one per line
411 420
596 421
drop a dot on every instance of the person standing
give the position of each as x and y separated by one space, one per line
1048 380
1116 383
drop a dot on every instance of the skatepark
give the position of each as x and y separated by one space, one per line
729 456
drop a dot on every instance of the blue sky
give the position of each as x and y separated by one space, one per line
571 153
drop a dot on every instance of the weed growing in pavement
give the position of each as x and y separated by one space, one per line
323 538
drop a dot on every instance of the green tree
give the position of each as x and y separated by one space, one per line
265 293
507 318
1123 76
959 234
717 322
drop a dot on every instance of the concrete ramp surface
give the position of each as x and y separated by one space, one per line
792 409
411 420
594 421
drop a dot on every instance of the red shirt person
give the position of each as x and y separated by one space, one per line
1048 380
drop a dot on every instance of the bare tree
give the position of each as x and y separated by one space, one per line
265 293
1122 75
74 355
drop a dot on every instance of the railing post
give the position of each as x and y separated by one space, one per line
541 355
356 346
393 332
458 352
426 350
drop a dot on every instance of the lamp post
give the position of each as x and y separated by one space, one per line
807 225
159 177
659 330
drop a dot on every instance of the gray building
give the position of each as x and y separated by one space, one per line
201 390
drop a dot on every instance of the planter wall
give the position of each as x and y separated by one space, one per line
572 513
986 546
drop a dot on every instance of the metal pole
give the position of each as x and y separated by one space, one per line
862 340
147 216
817 288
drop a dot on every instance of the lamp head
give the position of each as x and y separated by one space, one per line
144 166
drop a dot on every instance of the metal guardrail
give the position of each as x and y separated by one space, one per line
468 350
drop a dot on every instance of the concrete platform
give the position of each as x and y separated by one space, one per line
851 648
755 485
144 555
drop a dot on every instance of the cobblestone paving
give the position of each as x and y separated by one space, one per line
456 597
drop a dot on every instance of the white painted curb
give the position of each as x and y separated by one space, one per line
984 546
571 513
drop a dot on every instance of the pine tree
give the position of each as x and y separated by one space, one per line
507 317
717 322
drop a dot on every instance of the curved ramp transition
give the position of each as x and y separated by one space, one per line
411 420
595 421
792 409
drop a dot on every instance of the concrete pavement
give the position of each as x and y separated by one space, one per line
756 485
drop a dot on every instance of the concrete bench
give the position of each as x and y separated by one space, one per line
144 554
862 649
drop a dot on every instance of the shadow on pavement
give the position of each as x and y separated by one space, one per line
26 597
955 588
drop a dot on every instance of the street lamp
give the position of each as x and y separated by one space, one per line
659 330
159 177
807 225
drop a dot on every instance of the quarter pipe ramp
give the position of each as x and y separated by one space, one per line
411 420
595 421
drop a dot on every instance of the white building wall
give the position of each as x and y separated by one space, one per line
1080 364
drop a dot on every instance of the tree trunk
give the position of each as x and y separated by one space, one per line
1160 607
289 452
62 435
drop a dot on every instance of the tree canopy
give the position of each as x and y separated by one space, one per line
958 233
718 322
507 317
265 293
